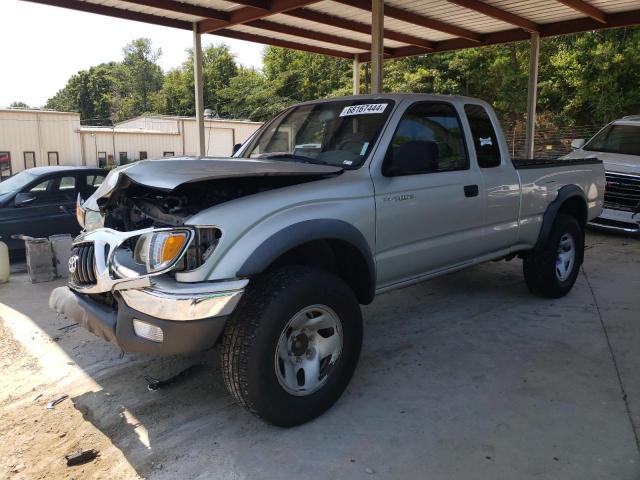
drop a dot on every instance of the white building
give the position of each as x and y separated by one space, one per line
161 136
30 138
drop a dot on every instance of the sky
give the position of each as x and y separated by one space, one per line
42 46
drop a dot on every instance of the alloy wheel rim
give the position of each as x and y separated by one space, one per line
308 348
566 257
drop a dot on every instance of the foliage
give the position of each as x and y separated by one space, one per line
18 105
587 78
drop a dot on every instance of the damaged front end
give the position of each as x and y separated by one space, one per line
123 267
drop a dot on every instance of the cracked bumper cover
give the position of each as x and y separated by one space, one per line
191 317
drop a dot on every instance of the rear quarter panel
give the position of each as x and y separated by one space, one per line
540 187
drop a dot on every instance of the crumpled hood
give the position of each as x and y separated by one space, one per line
168 175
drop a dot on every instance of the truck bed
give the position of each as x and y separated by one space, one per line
522 163
541 179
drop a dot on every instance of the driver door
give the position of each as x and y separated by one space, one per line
429 212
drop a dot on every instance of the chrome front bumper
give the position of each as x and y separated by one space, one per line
170 300
156 294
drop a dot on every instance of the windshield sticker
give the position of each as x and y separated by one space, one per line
363 109
485 141
363 150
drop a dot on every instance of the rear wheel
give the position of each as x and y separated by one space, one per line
292 345
552 270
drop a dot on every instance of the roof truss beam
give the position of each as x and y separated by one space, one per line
409 17
323 18
498 14
311 34
248 14
181 7
251 37
586 8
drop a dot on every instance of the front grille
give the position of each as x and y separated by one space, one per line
81 265
622 192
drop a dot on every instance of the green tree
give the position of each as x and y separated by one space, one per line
18 105
89 92
139 78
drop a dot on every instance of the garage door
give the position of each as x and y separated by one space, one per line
220 142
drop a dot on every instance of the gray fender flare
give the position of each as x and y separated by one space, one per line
565 193
304 232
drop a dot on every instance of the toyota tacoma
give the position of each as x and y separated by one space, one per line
273 251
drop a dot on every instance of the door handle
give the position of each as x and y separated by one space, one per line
471 190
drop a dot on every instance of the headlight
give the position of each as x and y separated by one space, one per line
80 212
159 250
93 220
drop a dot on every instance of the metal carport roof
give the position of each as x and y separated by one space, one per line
342 28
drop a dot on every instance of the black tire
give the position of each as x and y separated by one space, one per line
252 333
539 265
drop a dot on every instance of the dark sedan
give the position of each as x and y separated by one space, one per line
40 201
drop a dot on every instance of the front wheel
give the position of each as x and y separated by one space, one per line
292 345
552 270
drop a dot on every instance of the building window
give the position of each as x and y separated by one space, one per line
29 159
123 157
53 157
102 159
5 164
168 154
143 155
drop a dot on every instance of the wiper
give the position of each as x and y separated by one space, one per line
292 156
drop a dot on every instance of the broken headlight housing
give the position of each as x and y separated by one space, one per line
162 249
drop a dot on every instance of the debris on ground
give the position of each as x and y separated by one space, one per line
80 457
51 405
155 384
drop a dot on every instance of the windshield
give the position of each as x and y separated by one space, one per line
16 182
624 139
339 133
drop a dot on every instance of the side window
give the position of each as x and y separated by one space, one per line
54 189
67 183
42 187
484 136
94 180
428 139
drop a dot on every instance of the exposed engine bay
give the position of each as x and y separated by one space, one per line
133 207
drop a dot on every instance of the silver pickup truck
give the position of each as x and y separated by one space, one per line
330 203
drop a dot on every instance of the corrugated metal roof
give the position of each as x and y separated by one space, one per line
342 27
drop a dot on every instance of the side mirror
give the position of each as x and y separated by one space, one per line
22 199
577 143
413 157
236 147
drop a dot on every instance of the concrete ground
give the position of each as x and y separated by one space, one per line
463 377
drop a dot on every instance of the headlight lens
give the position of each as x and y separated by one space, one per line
93 220
159 250
80 212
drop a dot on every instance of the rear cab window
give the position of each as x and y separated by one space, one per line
485 140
